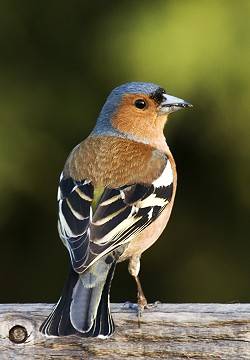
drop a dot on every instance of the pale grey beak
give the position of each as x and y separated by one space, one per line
171 103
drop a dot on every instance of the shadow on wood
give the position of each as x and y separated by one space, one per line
168 331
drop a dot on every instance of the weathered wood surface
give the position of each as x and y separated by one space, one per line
168 331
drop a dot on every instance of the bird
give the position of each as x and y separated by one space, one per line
115 197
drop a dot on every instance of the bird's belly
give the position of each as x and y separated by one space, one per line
148 236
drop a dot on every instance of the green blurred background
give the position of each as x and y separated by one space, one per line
59 60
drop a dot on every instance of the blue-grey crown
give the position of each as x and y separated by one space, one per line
135 88
103 125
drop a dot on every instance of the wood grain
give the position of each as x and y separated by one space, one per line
168 331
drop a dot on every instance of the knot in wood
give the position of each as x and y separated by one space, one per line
18 334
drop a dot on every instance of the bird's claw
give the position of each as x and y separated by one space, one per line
153 305
140 307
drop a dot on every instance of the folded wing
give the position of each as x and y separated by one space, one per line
120 215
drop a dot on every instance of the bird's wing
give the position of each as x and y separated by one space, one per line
90 231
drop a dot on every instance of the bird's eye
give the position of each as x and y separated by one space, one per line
140 103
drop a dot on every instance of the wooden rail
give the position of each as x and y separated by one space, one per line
168 331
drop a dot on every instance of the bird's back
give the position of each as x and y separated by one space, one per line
113 162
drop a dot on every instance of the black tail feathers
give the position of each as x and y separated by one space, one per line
82 310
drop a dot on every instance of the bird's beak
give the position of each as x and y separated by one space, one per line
171 103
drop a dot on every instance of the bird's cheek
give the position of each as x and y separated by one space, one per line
161 120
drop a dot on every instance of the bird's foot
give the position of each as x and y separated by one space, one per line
134 306
141 305
153 305
137 307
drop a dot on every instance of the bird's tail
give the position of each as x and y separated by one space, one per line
83 309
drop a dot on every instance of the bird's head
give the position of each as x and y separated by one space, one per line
138 110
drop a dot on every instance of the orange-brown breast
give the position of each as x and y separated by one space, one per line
113 161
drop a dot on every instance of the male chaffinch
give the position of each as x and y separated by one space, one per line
115 196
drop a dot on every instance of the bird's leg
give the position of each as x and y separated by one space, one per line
141 299
134 268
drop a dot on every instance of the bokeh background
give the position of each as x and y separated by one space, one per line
59 60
